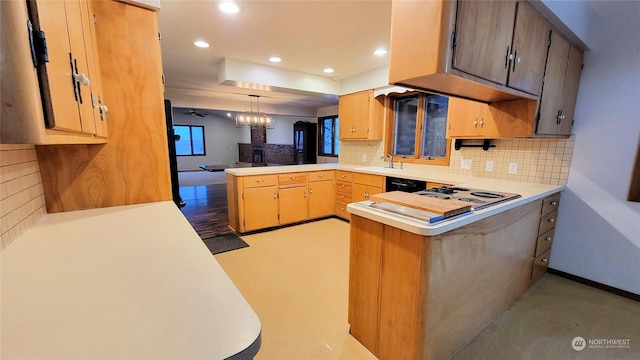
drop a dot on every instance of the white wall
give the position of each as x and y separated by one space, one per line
221 140
282 134
598 232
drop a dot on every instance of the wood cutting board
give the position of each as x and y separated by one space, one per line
446 208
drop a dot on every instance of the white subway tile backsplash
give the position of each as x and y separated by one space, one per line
21 194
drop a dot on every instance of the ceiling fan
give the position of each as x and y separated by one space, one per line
193 112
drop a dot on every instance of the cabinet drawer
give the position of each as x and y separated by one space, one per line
321 175
344 175
368 179
343 198
259 181
341 211
547 222
292 179
544 242
550 204
343 187
540 265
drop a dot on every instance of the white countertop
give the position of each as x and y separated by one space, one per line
122 282
529 192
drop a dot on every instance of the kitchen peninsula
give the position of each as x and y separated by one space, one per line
423 291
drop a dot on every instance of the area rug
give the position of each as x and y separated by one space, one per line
223 243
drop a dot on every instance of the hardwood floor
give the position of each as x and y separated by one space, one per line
206 209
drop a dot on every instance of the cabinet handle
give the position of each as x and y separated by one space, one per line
544 260
475 123
507 57
548 238
259 181
516 61
482 123
551 220
82 79
554 203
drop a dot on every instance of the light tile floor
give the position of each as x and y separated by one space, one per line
296 279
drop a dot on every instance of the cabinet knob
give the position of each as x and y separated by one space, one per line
292 178
341 196
551 220
342 185
305 194
342 209
482 123
275 195
544 260
554 203
321 176
548 238
259 181
475 123
310 191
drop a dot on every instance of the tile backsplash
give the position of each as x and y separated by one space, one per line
539 160
21 193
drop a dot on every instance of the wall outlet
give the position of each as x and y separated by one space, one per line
488 166
364 157
465 164
513 168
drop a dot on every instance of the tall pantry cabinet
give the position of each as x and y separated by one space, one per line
133 165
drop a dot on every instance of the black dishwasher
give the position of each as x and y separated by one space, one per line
406 185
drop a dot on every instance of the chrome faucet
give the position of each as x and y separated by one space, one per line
389 160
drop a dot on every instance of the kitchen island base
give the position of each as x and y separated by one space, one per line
426 297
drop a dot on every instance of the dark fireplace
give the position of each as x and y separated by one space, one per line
257 156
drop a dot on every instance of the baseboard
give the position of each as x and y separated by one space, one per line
597 285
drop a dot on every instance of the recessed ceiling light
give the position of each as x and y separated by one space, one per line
328 70
201 44
228 114
275 59
228 7
381 51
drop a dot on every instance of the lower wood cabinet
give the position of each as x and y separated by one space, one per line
365 185
294 204
321 199
260 208
262 201
546 231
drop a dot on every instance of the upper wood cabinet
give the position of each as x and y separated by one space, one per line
68 82
560 89
132 166
473 119
484 30
488 51
468 118
361 116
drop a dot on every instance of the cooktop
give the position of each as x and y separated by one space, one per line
478 198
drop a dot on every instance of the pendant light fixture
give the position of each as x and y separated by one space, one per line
255 118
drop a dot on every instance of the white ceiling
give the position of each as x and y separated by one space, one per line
308 35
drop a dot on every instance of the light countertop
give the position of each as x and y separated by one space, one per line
528 191
123 282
